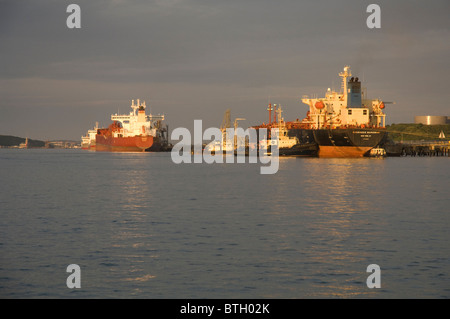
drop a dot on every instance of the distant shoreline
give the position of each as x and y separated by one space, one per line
10 141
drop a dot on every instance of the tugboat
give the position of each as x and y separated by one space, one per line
377 152
290 142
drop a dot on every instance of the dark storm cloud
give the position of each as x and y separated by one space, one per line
169 40
195 58
200 40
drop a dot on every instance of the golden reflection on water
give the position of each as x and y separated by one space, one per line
130 234
335 202
141 279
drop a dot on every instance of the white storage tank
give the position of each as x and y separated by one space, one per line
430 119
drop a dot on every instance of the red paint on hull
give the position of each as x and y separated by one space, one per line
106 142
123 144
343 151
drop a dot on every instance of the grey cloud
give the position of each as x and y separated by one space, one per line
210 54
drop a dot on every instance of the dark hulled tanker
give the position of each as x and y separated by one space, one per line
346 123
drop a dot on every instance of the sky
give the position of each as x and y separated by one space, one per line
194 59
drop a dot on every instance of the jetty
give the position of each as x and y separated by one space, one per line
424 148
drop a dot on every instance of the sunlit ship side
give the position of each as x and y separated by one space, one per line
133 132
88 142
346 123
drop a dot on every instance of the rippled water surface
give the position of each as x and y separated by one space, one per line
140 226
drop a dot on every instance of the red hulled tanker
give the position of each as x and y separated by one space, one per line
111 139
134 132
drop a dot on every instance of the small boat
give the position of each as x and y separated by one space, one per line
377 152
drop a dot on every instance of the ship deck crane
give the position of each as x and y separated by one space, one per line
235 128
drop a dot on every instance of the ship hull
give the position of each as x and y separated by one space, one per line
298 150
89 146
123 144
157 145
306 150
343 151
306 146
348 142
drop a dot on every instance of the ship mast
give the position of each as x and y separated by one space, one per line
347 73
280 119
274 113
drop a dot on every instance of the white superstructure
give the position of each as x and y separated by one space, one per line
91 133
88 140
348 108
137 122
283 140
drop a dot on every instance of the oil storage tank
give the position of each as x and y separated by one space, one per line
430 119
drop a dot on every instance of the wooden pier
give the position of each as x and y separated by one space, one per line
425 148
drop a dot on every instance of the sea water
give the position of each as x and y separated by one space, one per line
140 226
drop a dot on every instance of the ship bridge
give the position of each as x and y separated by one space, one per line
346 108
137 122
150 117
137 115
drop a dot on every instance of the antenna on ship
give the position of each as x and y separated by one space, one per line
269 108
274 113
344 76
280 118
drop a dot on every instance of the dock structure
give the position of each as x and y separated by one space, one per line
426 148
